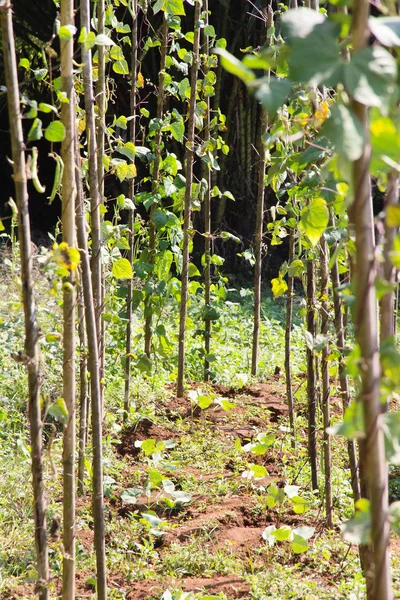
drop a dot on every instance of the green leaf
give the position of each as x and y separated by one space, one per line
308 40
299 544
128 150
122 269
159 218
370 76
103 40
391 430
282 533
171 7
345 131
296 268
55 132
304 531
234 66
130 495
59 411
35 132
178 130
352 425
121 67
358 529
54 336
162 264
66 32
47 108
300 505
385 141
193 271
204 401
314 219
272 95
386 30
24 63
144 364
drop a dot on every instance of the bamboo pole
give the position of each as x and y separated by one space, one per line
69 302
31 356
189 157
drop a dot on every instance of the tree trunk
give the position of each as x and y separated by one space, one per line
69 299
99 290
377 572
189 156
344 383
389 271
207 214
131 218
311 376
31 328
288 335
156 174
83 391
258 254
325 382
95 392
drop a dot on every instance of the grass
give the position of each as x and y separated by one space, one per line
205 462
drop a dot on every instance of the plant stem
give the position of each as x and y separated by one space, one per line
311 376
31 326
288 335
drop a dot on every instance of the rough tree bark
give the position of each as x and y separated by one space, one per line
31 356
372 452
69 301
189 156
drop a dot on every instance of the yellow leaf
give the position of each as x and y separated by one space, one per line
140 81
393 216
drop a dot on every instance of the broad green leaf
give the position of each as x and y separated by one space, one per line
171 7
299 23
47 108
128 150
358 529
162 264
291 490
296 268
54 336
121 67
159 218
35 133
314 219
234 66
204 401
130 495
394 516
144 364
345 131
24 63
370 76
153 520
66 32
193 271
178 130
299 544
122 269
386 30
315 58
279 287
104 40
59 411
352 425
304 531
300 505
282 533
394 254
391 430
55 132
272 95
385 141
